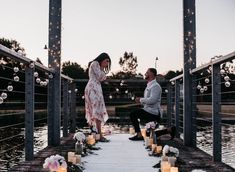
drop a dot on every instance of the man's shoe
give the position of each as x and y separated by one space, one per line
136 138
172 132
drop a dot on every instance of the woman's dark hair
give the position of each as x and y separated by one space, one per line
154 71
100 58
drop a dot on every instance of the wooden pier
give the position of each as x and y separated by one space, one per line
121 154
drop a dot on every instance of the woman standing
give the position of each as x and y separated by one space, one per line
96 113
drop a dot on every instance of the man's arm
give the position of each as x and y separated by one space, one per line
154 96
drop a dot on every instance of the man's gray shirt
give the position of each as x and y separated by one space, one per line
152 98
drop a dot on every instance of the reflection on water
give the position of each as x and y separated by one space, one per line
11 158
204 142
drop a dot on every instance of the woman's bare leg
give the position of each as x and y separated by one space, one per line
98 126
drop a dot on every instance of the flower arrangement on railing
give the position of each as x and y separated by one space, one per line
55 163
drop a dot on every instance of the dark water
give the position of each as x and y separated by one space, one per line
204 142
11 158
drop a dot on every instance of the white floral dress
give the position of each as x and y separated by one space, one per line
94 100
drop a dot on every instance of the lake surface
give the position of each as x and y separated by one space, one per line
204 142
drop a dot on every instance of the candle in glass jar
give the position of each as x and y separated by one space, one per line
143 132
172 160
159 149
70 156
150 142
97 137
78 159
131 131
154 146
146 141
165 166
174 169
74 159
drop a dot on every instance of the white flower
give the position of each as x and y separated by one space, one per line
171 149
79 136
174 150
165 150
151 125
53 162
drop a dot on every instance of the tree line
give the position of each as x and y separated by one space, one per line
128 64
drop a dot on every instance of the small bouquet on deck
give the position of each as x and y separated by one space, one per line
170 154
79 136
54 162
170 151
150 127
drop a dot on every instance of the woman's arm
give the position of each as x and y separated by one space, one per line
100 75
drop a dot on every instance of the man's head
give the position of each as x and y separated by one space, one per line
151 74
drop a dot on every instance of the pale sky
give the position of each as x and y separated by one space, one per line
148 28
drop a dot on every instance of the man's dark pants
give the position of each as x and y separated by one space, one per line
145 117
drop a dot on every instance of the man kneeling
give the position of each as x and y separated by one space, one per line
152 106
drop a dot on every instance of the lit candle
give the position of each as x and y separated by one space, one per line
78 159
93 141
143 132
172 160
150 142
90 140
90 137
154 146
131 131
93 135
159 149
146 141
164 158
74 159
165 166
61 169
174 169
97 137
70 156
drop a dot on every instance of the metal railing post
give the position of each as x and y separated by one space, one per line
189 64
177 101
65 107
73 108
216 108
54 61
29 113
169 104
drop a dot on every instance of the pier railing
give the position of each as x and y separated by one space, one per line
213 106
24 105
